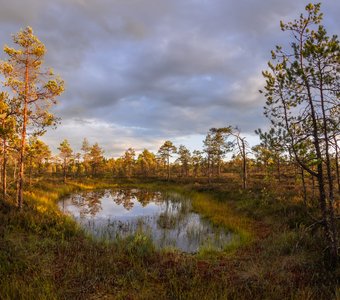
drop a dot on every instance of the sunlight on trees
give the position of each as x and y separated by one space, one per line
33 91
290 180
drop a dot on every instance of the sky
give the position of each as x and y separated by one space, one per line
139 72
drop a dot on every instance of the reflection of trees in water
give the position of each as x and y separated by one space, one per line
128 198
176 203
88 203
172 217
171 223
176 209
145 197
125 198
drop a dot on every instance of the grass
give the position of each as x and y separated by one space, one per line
221 214
45 255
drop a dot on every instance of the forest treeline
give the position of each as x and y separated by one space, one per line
301 147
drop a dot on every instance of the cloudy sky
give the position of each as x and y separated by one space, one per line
139 72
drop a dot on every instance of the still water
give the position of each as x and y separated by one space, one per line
166 217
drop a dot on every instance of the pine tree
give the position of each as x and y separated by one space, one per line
302 91
35 90
165 152
66 155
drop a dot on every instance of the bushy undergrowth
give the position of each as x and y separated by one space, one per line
44 255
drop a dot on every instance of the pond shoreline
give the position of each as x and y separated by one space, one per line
45 255
167 218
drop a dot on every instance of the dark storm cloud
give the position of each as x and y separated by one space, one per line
141 71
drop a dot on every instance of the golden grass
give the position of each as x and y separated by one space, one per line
44 255
221 214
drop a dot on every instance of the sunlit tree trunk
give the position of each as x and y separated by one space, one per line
30 172
15 169
4 170
23 138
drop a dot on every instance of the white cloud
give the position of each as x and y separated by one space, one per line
139 72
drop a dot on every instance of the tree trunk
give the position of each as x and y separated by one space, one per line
304 187
327 212
64 171
328 223
4 171
333 229
15 170
30 173
313 189
209 169
22 146
244 164
168 168
337 163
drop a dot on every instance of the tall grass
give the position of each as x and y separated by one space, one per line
44 255
221 214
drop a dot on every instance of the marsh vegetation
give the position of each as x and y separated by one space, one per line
166 218
228 221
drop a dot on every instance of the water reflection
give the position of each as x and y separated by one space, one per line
166 217
89 205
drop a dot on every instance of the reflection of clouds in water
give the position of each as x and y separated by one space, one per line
166 217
